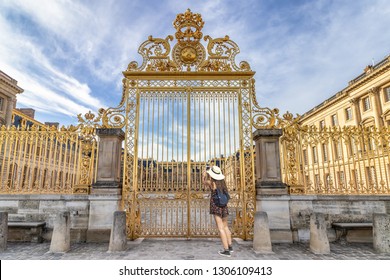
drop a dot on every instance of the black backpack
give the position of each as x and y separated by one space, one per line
221 198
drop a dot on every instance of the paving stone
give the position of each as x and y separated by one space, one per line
195 249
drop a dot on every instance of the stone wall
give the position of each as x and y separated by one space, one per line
87 221
45 208
336 209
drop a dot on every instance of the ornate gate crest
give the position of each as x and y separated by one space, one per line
188 54
183 108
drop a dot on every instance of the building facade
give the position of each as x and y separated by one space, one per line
342 145
8 90
365 101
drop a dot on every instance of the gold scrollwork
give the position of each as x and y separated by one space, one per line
222 53
266 118
155 53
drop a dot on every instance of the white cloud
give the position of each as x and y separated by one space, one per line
302 54
46 88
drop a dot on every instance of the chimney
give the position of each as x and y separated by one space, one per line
28 112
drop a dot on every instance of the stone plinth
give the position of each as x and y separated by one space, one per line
271 193
268 171
262 237
381 233
3 231
60 241
118 238
109 161
319 243
100 216
106 192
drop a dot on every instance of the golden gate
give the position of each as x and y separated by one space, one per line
182 109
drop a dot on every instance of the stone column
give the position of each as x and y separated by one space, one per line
105 196
271 193
10 106
376 106
262 237
319 243
381 233
3 231
60 240
118 238
356 111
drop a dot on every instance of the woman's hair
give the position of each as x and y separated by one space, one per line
221 184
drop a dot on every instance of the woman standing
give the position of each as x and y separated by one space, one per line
213 178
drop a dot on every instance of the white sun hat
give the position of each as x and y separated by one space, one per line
216 173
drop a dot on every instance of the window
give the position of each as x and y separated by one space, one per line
305 157
325 152
353 146
340 175
366 103
371 175
334 120
327 180
348 114
317 181
322 124
354 178
315 158
337 149
1 103
387 94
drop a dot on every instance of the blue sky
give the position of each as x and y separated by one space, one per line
68 56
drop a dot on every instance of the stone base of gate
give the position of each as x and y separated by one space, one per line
101 209
277 208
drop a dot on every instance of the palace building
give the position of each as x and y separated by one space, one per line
343 144
365 101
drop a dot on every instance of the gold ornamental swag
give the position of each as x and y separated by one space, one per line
183 108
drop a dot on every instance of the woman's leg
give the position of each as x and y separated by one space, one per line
227 231
221 229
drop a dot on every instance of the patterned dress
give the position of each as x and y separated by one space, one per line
216 210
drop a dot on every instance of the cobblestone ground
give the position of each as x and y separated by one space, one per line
199 249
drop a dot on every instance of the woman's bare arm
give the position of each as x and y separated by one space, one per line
206 180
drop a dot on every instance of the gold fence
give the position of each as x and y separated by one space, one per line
44 160
336 160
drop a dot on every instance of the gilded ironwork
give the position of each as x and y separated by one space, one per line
35 158
181 109
188 53
266 118
336 160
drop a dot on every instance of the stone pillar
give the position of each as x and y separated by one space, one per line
60 240
3 231
105 196
262 237
118 238
268 172
376 106
381 233
356 111
319 243
10 106
109 161
271 194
